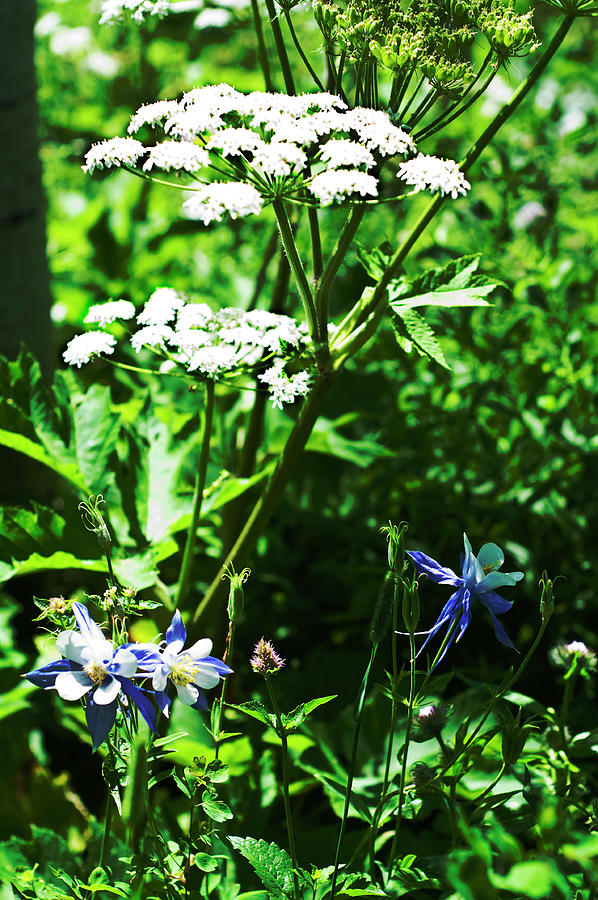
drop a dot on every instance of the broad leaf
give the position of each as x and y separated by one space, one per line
272 865
420 334
256 710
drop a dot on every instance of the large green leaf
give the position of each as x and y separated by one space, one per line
326 438
272 865
71 431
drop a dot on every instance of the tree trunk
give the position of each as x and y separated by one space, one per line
24 277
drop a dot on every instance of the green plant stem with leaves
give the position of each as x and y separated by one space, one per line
357 716
405 754
359 326
284 753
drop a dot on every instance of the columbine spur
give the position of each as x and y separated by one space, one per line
479 577
191 671
92 666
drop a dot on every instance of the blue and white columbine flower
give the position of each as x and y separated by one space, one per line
478 580
191 671
92 666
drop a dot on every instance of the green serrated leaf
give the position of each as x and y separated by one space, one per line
256 710
293 720
422 336
272 865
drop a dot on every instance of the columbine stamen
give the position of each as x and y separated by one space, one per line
96 671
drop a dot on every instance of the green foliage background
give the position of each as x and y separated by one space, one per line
503 445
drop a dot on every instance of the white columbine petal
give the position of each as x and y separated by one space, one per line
200 648
107 692
160 677
206 676
73 645
124 663
73 685
187 693
173 649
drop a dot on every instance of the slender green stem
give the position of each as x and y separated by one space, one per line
107 825
262 51
405 751
564 711
296 441
316 242
358 714
200 481
190 846
260 281
492 784
280 48
285 781
440 121
290 246
391 732
299 48
334 263
223 692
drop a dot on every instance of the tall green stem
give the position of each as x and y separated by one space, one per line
262 51
280 48
358 714
285 782
200 482
290 246
334 263
296 441
395 840
106 834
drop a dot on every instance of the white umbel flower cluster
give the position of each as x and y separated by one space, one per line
196 338
113 152
284 388
265 144
210 202
113 10
85 346
106 313
434 174
338 184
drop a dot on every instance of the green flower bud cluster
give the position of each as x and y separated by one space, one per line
434 36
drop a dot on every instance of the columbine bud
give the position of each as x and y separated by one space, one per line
410 606
265 659
94 521
428 723
236 597
395 535
546 597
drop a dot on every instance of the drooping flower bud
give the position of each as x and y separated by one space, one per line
410 606
546 597
382 615
265 659
236 596
94 521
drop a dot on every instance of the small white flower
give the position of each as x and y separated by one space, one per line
377 131
113 152
279 158
113 10
151 336
106 313
177 155
211 202
161 307
282 388
434 174
343 152
82 347
231 141
214 360
338 184
192 121
152 114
